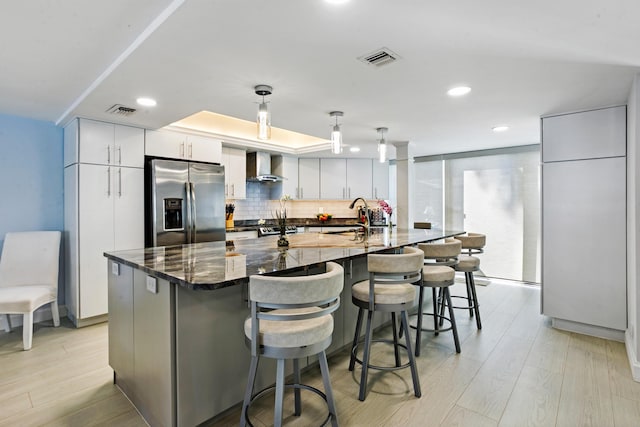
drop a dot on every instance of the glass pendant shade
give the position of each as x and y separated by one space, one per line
382 145
336 140
336 133
264 122
382 150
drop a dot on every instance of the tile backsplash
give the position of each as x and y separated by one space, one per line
258 206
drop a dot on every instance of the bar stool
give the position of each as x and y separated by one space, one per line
439 258
472 244
291 319
389 290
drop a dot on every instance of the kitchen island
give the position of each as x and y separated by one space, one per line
176 314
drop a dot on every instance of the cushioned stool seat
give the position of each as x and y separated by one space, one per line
389 289
468 263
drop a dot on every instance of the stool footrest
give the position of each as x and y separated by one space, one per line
377 367
464 307
448 328
266 390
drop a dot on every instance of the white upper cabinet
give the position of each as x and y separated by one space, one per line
333 179
585 135
308 178
235 173
286 167
103 144
380 180
359 178
175 145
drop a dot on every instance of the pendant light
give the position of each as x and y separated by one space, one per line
382 145
336 133
264 117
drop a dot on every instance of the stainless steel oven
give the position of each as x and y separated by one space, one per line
275 230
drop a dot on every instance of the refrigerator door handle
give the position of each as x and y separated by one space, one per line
187 187
194 218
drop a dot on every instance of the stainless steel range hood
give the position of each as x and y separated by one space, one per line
259 168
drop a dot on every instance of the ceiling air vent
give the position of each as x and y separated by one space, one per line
121 110
379 57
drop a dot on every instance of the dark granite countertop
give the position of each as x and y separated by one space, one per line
252 224
214 265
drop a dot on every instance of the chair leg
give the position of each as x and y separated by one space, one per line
328 391
443 302
417 391
396 351
277 412
352 360
468 278
475 301
253 368
296 390
27 330
7 324
436 309
419 324
55 314
454 327
365 358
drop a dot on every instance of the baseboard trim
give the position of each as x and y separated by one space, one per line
634 364
584 329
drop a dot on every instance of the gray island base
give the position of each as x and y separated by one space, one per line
176 314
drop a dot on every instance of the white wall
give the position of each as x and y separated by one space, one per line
633 237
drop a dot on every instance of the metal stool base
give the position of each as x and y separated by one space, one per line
266 390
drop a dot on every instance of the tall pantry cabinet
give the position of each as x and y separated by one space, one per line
584 221
104 201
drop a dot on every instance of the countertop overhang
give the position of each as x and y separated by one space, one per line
215 265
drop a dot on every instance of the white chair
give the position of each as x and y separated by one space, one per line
29 277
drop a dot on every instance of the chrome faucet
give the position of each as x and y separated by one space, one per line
367 223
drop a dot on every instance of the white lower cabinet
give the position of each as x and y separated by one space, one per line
104 208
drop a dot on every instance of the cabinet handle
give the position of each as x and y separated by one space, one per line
182 149
301 193
109 182
119 154
191 150
108 154
233 189
119 182
226 189
349 193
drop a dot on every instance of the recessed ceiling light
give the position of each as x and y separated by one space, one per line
459 91
354 149
146 102
336 1
500 128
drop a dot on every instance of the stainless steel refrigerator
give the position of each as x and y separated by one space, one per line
184 202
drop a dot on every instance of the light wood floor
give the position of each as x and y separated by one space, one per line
517 371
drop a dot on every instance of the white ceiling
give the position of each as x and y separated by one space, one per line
60 59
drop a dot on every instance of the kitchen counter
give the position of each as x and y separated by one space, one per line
176 315
205 266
